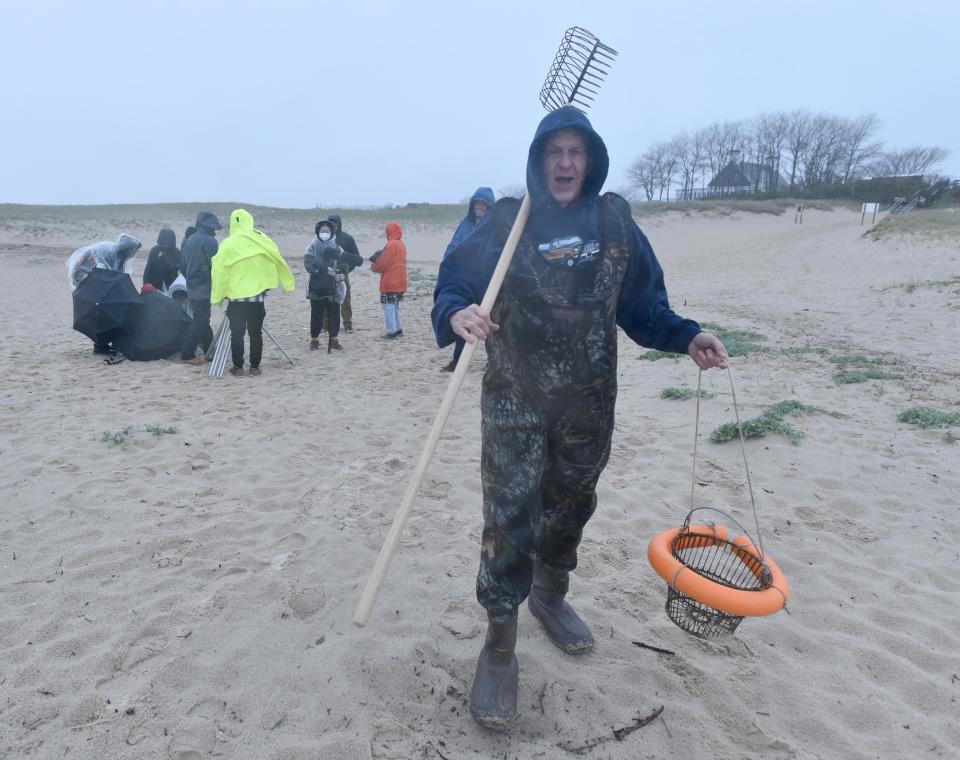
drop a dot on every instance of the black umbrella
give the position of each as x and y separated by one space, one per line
156 332
105 304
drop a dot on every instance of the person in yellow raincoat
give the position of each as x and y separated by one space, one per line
247 265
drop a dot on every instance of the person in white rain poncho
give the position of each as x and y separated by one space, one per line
103 255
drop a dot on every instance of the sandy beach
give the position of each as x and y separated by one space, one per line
189 594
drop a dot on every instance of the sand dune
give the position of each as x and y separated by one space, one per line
189 594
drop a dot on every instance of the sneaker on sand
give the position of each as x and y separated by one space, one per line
236 371
348 330
314 344
255 371
196 361
449 367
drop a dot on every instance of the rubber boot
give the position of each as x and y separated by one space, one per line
333 345
547 604
314 344
493 698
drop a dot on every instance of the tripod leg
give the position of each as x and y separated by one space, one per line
277 344
220 354
216 340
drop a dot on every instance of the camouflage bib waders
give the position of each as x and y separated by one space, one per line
548 406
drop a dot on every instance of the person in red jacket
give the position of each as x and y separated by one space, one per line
391 263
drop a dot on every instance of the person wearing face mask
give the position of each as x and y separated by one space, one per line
582 269
480 203
326 285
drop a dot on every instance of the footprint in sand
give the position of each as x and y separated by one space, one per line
306 601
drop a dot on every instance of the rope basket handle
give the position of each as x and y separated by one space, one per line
746 467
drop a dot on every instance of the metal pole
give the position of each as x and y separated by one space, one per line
277 344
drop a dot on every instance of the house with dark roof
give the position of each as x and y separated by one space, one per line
744 177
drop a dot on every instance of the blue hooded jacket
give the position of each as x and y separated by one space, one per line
469 223
643 309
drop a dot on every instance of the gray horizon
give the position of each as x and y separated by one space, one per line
295 104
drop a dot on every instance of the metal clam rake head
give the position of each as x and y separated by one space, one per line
577 72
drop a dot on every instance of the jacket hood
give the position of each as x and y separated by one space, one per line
208 222
127 245
335 218
484 194
167 239
567 117
394 232
240 221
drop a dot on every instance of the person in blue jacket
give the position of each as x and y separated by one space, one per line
480 203
582 268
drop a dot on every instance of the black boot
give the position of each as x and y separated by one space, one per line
493 698
546 603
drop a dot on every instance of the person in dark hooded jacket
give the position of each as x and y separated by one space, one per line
322 262
197 256
163 261
350 259
480 203
581 269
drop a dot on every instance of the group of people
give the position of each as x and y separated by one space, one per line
241 270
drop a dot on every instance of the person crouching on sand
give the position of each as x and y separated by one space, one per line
391 263
247 265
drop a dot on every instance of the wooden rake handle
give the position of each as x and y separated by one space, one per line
375 581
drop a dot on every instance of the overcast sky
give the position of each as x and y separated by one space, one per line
294 103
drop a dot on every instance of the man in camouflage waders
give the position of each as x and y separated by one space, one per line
582 268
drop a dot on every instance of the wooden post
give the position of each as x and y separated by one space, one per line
875 207
863 213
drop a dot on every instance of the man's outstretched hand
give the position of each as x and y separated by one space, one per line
708 351
473 323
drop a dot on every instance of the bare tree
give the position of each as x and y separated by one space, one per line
909 161
721 141
689 155
666 162
770 136
641 175
517 190
798 140
858 148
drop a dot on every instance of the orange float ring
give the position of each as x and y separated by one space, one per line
686 580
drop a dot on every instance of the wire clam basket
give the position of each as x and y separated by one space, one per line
713 581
